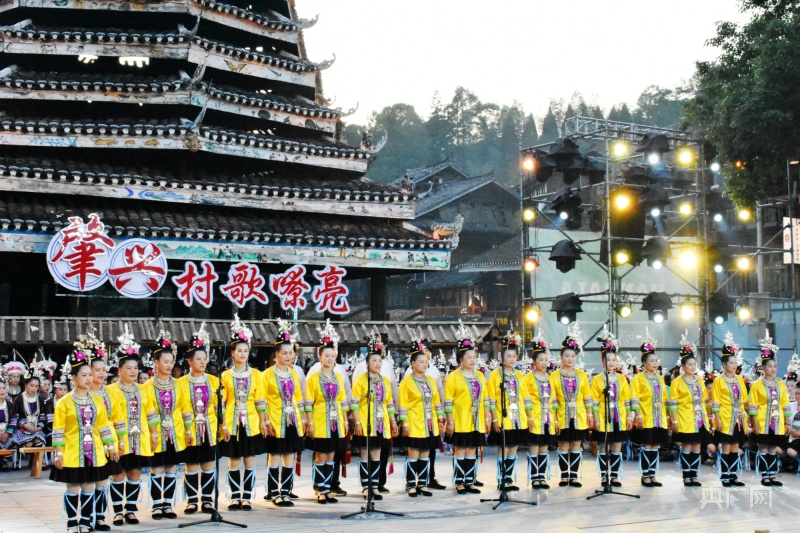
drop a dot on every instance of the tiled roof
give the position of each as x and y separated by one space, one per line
449 193
129 83
199 179
17 331
36 212
421 173
506 256
449 280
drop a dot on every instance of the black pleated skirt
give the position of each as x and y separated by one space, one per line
514 437
168 457
544 439
291 442
326 445
374 442
649 435
111 468
613 436
419 443
131 461
772 439
193 455
470 439
693 438
738 437
571 434
77 476
241 445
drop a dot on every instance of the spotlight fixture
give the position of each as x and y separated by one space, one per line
624 309
717 259
566 307
745 214
742 311
719 307
531 264
715 167
688 258
528 211
688 310
654 158
656 252
620 148
654 200
565 253
686 208
568 207
685 156
528 163
657 305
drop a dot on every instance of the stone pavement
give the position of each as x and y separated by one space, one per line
35 506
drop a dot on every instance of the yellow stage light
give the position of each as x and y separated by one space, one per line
533 314
620 149
743 313
745 214
622 201
743 263
529 214
688 311
686 208
529 164
622 257
685 156
688 259
531 264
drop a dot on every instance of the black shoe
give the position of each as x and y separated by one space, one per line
169 513
615 483
695 483
543 485
383 490
207 508
563 483
575 483
736 483
477 483
322 499
375 495
511 488
283 502
330 499
471 490
766 482
647 481
655 483
461 490
158 514
293 496
190 509
435 485
235 505
131 519
337 491
102 527
412 493
775 483
119 519
727 483
246 506
422 492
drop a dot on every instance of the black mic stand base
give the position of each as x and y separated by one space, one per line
608 489
503 498
215 518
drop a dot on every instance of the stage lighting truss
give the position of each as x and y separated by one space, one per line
719 307
567 206
656 252
565 253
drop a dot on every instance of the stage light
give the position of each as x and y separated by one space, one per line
654 158
715 167
529 214
718 260
657 304
686 208
742 312
622 257
531 264
654 200
739 164
685 156
718 217
529 164
563 215
688 259
743 263
624 309
565 253
744 214
622 201
719 307
718 268
620 149
566 307
533 314
688 310
656 252
568 206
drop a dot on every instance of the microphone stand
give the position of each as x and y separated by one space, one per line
215 517
503 497
370 506
607 487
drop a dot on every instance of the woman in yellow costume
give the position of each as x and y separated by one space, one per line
729 407
133 411
573 406
542 424
689 409
770 414
421 420
83 440
326 400
286 413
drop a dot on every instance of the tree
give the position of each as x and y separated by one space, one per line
408 144
550 131
620 113
746 102
529 135
659 106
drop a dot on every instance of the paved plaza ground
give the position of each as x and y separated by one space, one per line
35 506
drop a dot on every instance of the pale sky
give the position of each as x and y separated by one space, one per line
525 50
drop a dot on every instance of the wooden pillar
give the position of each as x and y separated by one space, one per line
377 297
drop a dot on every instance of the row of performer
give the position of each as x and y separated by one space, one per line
105 435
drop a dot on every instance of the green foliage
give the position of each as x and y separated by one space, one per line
484 137
747 103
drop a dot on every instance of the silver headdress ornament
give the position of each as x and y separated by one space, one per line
240 332
285 332
17 365
464 333
328 336
608 340
793 368
165 342
687 348
767 344
43 367
539 344
574 339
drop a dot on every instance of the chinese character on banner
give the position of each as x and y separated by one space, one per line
138 269
331 294
244 284
290 288
78 256
195 286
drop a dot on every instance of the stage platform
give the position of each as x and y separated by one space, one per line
28 505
